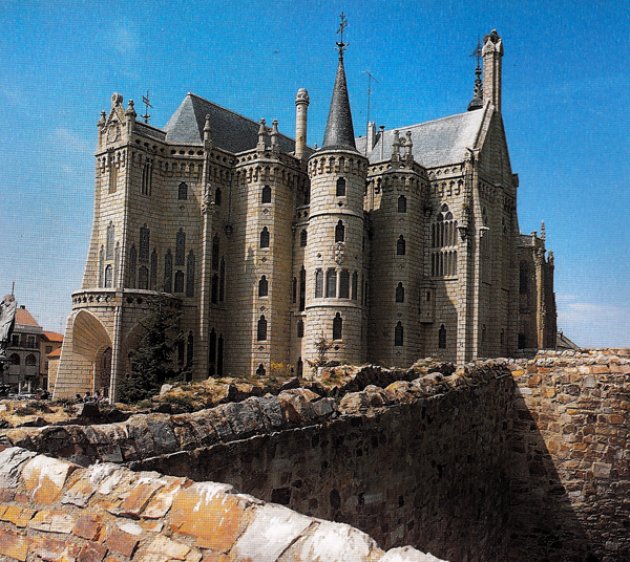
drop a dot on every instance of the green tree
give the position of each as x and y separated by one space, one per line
151 362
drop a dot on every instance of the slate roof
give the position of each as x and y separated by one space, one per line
228 130
435 143
339 131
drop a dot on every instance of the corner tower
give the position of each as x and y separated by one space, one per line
334 256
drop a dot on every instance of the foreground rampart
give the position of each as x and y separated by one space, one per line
503 460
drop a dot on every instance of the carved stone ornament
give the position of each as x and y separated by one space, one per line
113 132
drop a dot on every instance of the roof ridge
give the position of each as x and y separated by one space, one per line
427 122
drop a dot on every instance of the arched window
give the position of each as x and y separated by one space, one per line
168 272
355 285
340 232
131 280
190 275
266 194
215 252
179 281
113 178
264 238
400 293
331 284
182 192
319 283
108 277
337 327
261 332
302 288
263 286
14 359
341 187
109 242
180 247
402 204
217 197
145 235
300 328
153 271
400 246
442 337
30 360
398 334
143 277
147 177
214 289
444 239
344 284
303 238
523 286
222 281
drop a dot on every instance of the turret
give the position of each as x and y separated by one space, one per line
301 121
492 53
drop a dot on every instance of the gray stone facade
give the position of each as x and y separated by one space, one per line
384 248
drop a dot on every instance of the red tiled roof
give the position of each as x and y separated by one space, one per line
55 354
24 317
54 337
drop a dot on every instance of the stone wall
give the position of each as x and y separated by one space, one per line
54 510
570 457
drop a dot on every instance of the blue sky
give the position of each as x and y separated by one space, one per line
565 105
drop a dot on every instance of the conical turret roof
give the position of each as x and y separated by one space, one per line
339 129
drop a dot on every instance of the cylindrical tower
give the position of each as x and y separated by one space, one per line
334 256
301 119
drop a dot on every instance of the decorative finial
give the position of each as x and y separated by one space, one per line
543 232
477 99
101 122
262 135
343 23
147 105
131 112
274 136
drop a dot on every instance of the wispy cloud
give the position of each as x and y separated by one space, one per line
72 140
125 40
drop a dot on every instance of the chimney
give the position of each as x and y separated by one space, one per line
301 117
492 53
371 137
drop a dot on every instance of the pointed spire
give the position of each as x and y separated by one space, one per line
543 231
477 100
339 129
207 133
262 136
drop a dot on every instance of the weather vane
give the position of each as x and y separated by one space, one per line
343 23
147 105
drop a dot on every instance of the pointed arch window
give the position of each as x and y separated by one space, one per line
400 293
337 327
214 289
398 335
264 238
143 277
302 288
168 272
331 284
341 187
190 275
101 263
215 252
265 196
444 242
147 177
109 241
319 283
153 271
355 285
300 328
179 281
263 287
303 238
131 280
344 284
145 235
400 246
222 281
340 232
442 337
182 191
180 247
113 178
402 204
218 196
261 332
109 270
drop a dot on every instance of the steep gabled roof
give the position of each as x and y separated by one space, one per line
435 143
228 130
25 318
